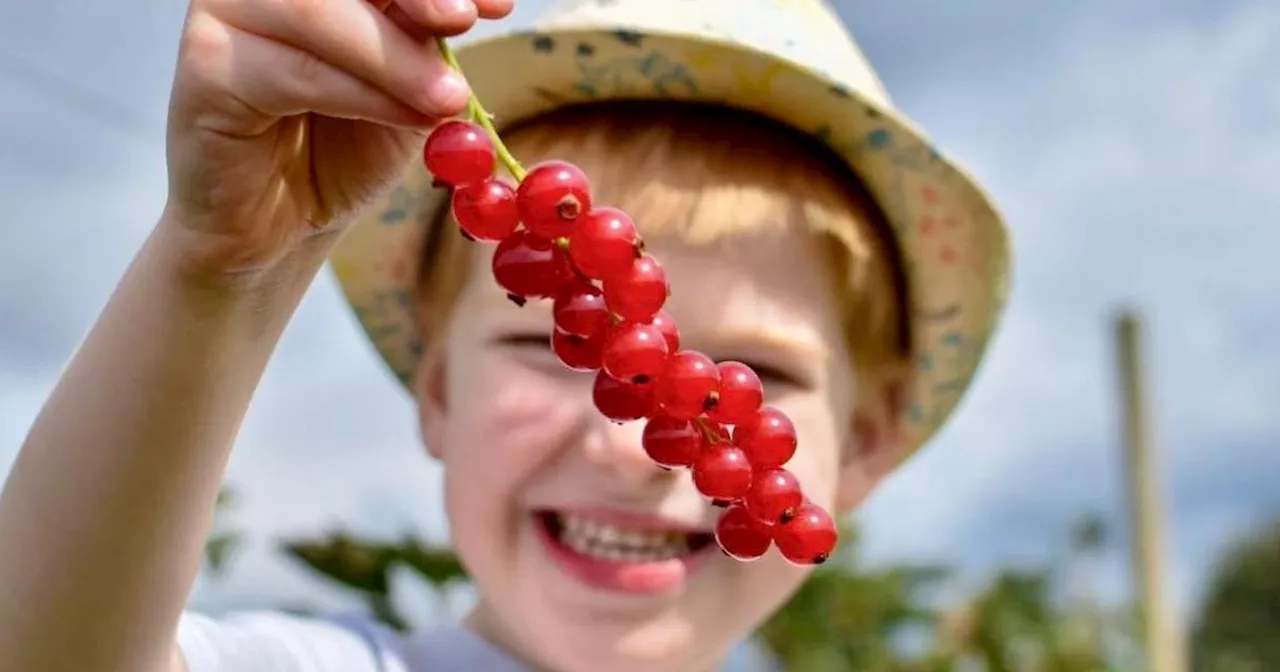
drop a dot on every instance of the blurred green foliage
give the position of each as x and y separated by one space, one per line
852 615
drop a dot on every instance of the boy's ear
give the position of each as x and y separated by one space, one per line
429 387
876 439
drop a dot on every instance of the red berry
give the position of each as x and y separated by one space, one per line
740 536
741 393
670 442
667 326
767 437
604 243
486 210
579 309
621 401
639 292
551 197
634 352
528 266
687 385
775 496
722 472
581 353
459 153
808 538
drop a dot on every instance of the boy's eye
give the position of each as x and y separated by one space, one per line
526 340
773 376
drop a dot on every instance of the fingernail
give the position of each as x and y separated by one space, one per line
457 7
450 91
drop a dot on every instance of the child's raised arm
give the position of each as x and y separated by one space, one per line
287 117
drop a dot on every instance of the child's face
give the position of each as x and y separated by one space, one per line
520 438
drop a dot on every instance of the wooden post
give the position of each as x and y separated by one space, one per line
1162 639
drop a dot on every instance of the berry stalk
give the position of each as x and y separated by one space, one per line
482 117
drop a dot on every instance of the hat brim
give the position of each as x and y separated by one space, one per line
953 242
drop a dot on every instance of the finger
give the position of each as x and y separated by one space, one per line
494 9
352 35
406 23
278 80
402 20
423 18
437 17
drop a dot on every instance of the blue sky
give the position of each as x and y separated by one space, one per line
1133 147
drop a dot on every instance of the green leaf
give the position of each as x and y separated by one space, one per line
218 550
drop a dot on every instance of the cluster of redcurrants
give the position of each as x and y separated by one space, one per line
608 299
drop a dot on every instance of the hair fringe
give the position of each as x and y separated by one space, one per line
704 173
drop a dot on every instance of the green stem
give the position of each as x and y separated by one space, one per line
709 433
482 117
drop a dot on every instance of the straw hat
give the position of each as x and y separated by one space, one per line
791 60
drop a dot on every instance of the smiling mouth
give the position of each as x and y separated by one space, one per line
616 543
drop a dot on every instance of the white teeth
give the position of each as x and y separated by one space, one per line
607 542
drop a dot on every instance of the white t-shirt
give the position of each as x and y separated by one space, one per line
275 642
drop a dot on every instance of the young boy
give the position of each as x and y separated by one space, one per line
806 229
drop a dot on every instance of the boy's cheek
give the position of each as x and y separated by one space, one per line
512 389
512 411
817 462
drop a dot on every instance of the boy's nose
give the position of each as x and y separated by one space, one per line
619 450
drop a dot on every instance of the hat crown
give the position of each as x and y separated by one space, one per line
789 60
806 32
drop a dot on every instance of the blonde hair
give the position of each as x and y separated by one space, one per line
702 173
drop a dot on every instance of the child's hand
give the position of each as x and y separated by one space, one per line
288 116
